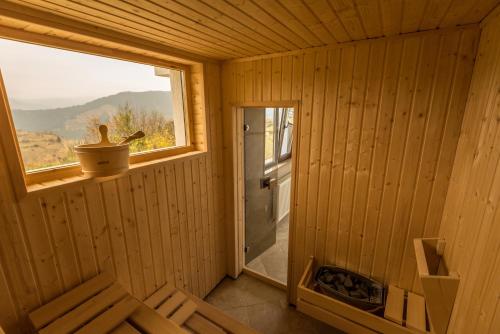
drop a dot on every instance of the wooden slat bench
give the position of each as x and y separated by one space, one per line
192 313
100 305
412 316
354 320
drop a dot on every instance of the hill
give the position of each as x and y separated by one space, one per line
69 122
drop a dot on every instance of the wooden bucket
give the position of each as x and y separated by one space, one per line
103 159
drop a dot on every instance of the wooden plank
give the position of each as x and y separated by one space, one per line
361 233
99 227
191 232
207 258
200 242
62 239
172 303
303 161
153 323
183 229
139 215
415 312
37 238
174 224
350 18
112 317
201 325
339 309
86 311
391 233
332 319
80 225
184 312
325 169
314 150
394 304
352 155
159 296
439 295
164 218
59 306
155 226
10 144
338 157
130 231
111 204
125 328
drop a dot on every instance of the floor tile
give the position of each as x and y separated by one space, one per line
263 307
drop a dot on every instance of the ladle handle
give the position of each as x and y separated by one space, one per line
103 130
137 135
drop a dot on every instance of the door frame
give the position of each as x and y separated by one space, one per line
238 165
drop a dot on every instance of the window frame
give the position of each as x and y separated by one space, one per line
9 135
278 142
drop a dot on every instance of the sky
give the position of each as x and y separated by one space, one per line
38 77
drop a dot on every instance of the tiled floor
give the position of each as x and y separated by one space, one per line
263 307
274 261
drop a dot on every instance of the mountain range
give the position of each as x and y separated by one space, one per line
69 122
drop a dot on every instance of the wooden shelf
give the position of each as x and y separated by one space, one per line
440 286
339 314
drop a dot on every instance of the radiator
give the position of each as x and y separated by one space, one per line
284 187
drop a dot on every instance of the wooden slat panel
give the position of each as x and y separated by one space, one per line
233 29
134 236
111 203
184 312
69 300
159 296
394 304
114 316
125 328
86 311
415 312
167 307
59 230
77 215
201 325
151 322
470 219
379 123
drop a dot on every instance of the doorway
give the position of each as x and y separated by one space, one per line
267 144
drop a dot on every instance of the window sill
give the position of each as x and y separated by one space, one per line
37 188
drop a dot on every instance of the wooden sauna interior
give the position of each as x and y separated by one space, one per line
396 149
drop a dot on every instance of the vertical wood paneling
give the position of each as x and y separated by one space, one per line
379 124
161 223
471 219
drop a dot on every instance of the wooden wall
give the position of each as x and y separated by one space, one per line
471 219
161 223
379 124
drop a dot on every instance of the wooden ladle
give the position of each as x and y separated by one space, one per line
134 136
103 130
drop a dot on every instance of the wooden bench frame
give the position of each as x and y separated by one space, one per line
341 315
101 305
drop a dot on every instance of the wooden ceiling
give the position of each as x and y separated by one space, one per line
226 29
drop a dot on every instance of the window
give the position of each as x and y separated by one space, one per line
278 135
270 134
58 98
285 133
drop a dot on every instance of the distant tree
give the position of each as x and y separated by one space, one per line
159 131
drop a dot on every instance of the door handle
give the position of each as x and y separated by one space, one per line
268 182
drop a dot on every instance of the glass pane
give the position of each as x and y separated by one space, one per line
269 136
286 144
59 97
